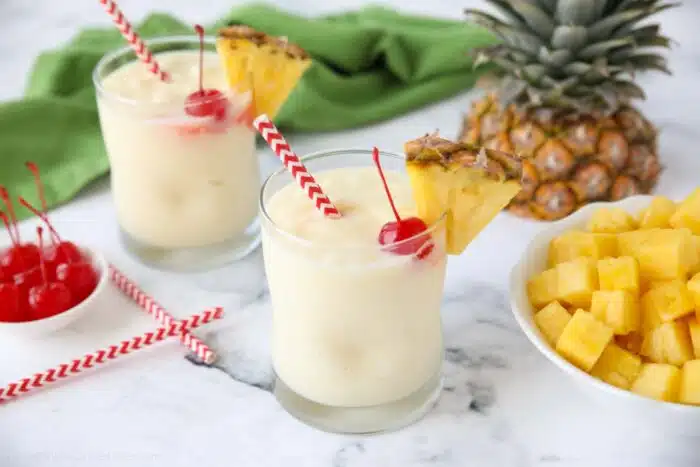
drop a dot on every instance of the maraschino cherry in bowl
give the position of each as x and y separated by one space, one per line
47 283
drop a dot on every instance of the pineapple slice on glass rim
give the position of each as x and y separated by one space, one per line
270 67
472 185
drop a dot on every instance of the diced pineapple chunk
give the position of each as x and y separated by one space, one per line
653 346
618 309
617 366
669 343
689 392
574 244
687 214
694 330
611 220
662 254
658 381
583 340
693 287
619 274
670 300
542 288
650 318
657 214
552 320
695 268
631 342
576 281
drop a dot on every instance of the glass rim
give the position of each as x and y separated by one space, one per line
310 243
112 55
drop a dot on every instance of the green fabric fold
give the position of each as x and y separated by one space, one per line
369 65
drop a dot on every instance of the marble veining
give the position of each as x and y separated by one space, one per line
502 405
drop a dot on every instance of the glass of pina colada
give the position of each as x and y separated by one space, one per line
184 171
356 338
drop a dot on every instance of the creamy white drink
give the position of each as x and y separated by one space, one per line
178 180
354 325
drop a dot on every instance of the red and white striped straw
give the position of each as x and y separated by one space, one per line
142 52
149 305
102 356
292 163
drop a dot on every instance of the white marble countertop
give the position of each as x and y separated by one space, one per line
503 405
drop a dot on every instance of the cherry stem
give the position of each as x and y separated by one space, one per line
34 169
6 221
8 204
200 32
41 216
40 233
375 158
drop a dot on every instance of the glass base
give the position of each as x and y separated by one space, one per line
195 259
360 420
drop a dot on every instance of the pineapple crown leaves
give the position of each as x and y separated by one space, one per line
574 56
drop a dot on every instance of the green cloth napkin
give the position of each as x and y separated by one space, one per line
369 65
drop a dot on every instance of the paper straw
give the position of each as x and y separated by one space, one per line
103 356
149 305
292 163
137 44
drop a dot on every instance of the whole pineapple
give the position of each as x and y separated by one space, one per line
563 103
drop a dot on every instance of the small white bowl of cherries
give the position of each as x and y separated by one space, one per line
47 284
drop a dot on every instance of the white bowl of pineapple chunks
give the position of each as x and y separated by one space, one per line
611 295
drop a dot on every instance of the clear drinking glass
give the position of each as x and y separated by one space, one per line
357 337
185 187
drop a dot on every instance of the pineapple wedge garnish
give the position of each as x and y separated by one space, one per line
269 67
468 185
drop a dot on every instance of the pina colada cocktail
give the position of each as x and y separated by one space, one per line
357 341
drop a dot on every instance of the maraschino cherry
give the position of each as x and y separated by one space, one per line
68 266
49 298
20 256
9 304
205 102
394 233
60 251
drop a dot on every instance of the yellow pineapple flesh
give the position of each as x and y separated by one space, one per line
694 331
583 340
663 254
658 381
689 392
687 214
469 186
670 300
618 309
693 286
669 343
657 214
617 366
620 273
611 221
269 67
542 288
576 281
573 244
551 320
